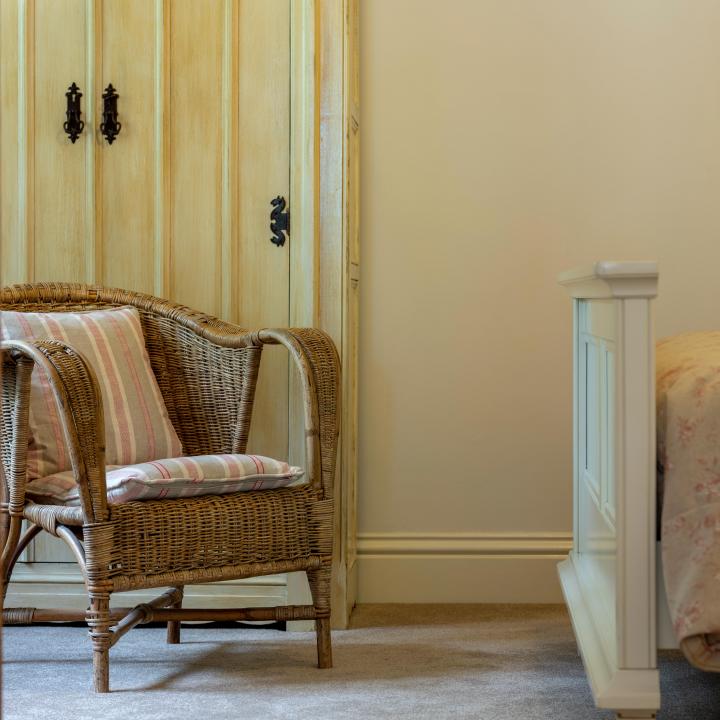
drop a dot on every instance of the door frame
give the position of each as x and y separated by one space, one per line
324 259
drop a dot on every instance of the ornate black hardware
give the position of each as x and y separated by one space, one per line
110 127
279 221
73 126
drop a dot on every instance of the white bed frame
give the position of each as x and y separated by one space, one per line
611 580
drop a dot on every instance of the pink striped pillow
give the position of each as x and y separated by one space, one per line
176 477
137 426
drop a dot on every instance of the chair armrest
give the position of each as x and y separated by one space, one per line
79 405
317 360
316 357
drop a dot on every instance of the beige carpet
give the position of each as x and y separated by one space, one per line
404 661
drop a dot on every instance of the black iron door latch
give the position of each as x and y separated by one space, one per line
73 125
110 127
279 221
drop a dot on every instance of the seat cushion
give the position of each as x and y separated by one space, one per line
137 426
175 477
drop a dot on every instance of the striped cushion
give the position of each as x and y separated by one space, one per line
137 426
175 477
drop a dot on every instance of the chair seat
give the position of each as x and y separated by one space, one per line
174 478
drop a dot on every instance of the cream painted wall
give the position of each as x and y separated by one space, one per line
505 141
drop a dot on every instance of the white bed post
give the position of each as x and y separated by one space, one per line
609 578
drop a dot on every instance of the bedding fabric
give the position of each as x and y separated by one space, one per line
688 430
137 426
174 478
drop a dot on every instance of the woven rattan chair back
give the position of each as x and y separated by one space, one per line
209 414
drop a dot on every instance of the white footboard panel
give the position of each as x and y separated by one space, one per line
609 578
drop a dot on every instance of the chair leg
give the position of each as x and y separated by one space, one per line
173 626
11 532
324 645
98 620
319 581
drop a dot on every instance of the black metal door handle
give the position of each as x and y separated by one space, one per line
73 125
279 221
110 127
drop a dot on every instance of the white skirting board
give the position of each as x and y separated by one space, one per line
460 567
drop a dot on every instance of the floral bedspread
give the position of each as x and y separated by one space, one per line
688 434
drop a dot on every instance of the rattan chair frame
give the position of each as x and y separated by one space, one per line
207 371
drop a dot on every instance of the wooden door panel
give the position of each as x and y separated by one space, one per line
126 177
57 187
263 173
195 134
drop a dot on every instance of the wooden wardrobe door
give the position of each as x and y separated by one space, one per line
227 130
53 207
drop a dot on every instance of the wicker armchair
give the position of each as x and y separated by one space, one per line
207 372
